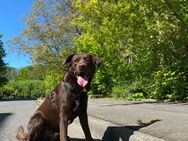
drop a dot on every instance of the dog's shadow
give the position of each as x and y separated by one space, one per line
119 133
116 133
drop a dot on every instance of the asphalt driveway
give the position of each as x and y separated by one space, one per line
12 115
124 114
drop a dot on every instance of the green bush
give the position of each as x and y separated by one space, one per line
23 89
168 84
120 92
6 91
50 81
130 91
136 96
101 84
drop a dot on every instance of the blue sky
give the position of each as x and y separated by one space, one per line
11 25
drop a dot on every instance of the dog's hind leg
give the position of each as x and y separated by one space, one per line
35 126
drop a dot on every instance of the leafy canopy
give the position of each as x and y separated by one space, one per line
144 44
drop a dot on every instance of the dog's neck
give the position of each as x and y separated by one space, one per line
72 80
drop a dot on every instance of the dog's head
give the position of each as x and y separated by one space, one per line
83 66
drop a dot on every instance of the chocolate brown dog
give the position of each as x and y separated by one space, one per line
67 101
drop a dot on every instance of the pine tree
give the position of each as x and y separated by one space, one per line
3 67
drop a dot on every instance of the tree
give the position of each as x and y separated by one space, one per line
48 36
3 78
11 73
153 33
30 73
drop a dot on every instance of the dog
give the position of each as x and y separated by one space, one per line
67 101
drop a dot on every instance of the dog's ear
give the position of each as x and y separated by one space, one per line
97 61
69 58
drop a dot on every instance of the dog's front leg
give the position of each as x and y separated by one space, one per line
83 117
63 124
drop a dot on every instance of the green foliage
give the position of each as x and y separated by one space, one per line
152 33
50 81
168 84
28 82
48 34
11 73
3 66
23 89
31 73
124 91
25 73
120 92
136 96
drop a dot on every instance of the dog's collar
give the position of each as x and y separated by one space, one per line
74 90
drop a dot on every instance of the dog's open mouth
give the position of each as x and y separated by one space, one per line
82 81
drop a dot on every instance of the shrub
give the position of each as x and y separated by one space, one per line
130 91
101 84
50 81
23 89
120 92
6 91
169 84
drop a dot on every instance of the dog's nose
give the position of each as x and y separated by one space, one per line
81 66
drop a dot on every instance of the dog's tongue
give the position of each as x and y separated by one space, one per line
82 81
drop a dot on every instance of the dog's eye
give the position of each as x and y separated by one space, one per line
87 61
76 60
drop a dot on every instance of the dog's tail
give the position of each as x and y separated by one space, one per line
20 134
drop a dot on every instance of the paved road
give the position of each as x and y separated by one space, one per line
173 127
16 113
123 115
12 115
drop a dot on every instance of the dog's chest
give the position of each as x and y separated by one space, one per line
70 93
76 105
79 103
